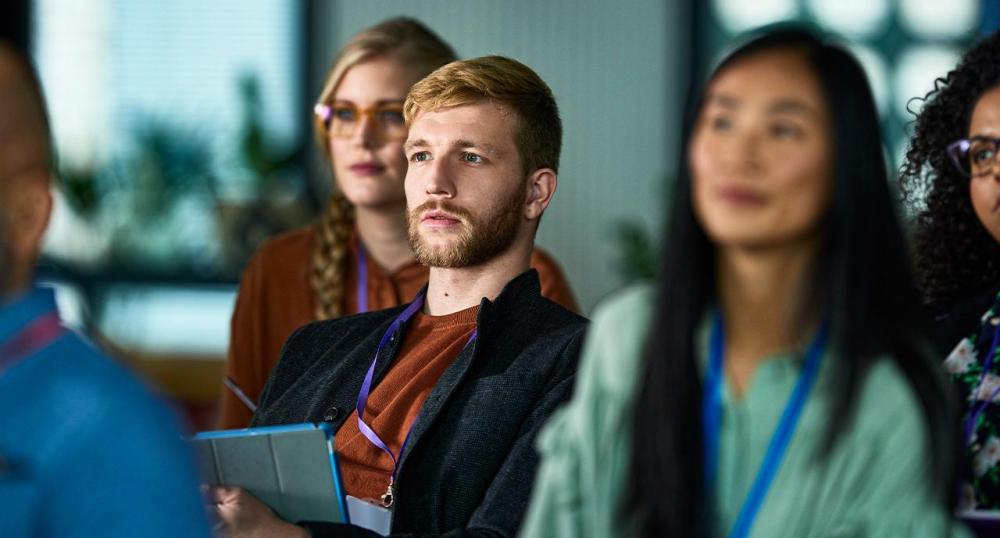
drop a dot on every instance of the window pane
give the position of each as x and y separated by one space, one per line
853 18
916 71
939 19
173 120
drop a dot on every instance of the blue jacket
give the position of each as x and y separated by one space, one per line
85 449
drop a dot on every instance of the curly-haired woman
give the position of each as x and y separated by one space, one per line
952 171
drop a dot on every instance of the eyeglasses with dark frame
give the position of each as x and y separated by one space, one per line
341 120
975 156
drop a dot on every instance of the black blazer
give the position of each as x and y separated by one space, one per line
469 465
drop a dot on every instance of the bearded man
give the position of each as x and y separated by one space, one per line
436 404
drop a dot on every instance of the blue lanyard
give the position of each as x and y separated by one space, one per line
362 279
366 387
712 421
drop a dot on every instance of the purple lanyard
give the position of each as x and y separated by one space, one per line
366 386
39 333
970 422
362 279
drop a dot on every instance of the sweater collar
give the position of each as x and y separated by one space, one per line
515 295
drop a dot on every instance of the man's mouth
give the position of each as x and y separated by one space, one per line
439 219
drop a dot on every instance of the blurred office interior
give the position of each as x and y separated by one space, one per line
185 138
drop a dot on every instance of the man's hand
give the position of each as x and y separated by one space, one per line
241 515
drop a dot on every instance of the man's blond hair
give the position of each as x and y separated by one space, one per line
503 81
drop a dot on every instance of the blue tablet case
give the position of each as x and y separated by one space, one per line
291 468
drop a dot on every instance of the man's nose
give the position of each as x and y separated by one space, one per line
438 181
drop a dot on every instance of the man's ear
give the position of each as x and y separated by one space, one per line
541 186
29 216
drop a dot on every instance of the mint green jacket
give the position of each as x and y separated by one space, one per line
874 483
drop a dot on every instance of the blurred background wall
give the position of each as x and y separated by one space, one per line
184 134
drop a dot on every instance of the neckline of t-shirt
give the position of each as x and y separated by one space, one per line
467 316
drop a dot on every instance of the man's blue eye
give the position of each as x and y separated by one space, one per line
420 156
471 158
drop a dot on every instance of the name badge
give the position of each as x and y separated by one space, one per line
369 514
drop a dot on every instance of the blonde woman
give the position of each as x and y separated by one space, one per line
357 257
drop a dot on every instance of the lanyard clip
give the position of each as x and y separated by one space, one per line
387 496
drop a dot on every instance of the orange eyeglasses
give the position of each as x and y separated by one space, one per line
341 119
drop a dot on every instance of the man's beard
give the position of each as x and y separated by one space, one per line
479 241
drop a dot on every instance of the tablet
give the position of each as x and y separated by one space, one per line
291 468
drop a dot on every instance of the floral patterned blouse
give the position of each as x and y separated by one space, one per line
981 410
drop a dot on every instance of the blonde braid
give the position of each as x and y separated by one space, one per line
329 260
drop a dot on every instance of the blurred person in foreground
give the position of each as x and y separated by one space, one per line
436 404
775 383
357 257
85 449
952 175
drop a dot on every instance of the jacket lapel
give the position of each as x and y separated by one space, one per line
515 295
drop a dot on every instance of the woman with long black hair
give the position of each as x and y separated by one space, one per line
775 382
